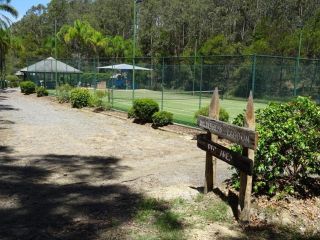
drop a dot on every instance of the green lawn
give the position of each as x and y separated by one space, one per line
183 106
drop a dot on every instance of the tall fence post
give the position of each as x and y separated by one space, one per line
296 76
194 74
133 79
201 78
95 75
162 83
211 162
254 63
246 180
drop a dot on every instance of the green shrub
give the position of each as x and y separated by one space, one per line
162 118
144 108
80 97
63 93
96 100
204 111
288 148
27 87
13 81
41 91
131 113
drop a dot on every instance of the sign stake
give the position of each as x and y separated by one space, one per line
246 180
211 162
245 136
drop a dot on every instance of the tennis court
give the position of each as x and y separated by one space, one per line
182 104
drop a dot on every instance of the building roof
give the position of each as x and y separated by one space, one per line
50 65
125 67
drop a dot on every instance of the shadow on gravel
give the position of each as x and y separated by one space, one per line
35 206
5 107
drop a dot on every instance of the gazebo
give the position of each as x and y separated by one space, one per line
44 73
121 80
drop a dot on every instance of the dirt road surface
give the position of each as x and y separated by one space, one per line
72 174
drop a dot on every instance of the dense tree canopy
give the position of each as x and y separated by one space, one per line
171 28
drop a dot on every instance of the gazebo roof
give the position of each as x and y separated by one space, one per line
125 67
50 65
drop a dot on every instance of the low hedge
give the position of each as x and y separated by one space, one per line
204 111
162 118
28 87
80 97
42 91
143 109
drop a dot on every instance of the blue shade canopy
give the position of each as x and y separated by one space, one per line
125 67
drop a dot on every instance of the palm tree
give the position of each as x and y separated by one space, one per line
4 47
76 36
5 7
98 42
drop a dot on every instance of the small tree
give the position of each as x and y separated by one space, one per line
288 148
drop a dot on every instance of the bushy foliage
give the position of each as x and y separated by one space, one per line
27 87
204 111
63 93
144 108
288 149
80 97
96 100
42 91
131 113
162 118
13 81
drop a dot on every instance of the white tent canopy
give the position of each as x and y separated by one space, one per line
125 67
50 65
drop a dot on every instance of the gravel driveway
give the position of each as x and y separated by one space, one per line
72 174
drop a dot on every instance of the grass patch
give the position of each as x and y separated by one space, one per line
217 212
179 202
199 197
158 220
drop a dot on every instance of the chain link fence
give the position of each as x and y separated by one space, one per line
182 85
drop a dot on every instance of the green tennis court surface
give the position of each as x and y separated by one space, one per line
182 104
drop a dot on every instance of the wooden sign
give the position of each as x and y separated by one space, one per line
246 137
242 136
242 163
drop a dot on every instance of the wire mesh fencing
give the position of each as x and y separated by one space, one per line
182 85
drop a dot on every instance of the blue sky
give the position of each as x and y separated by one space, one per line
24 5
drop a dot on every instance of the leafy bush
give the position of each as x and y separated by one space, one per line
96 100
204 111
80 97
63 93
131 113
288 148
27 87
41 91
13 81
144 108
162 118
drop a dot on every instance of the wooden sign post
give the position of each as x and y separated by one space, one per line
244 136
211 163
